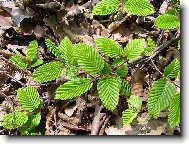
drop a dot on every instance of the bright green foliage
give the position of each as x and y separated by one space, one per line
160 96
37 62
106 7
135 103
57 51
67 49
128 116
109 47
14 120
172 70
139 7
48 72
118 62
88 59
71 73
18 61
34 119
108 90
150 49
125 88
134 48
32 50
172 12
29 98
122 71
174 113
167 21
106 69
72 89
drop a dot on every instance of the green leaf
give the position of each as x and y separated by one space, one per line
71 73
160 96
37 62
118 62
67 49
88 59
122 71
139 7
72 89
48 72
128 116
172 70
134 48
29 98
108 90
14 120
174 113
167 21
106 7
57 51
135 103
109 47
125 88
150 49
34 119
106 69
18 61
32 50
172 12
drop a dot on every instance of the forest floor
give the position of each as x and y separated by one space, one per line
84 115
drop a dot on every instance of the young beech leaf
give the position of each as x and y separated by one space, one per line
174 112
72 89
71 73
118 62
122 71
150 49
135 103
32 50
109 47
14 120
108 90
29 98
57 51
48 72
160 96
139 7
34 119
18 61
88 59
106 69
67 48
172 70
36 63
125 88
106 7
167 21
134 48
128 116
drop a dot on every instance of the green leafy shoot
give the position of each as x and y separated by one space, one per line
29 98
109 47
14 120
128 116
160 96
122 71
167 21
18 61
108 90
48 72
72 89
172 70
174 113
125 88
134 48
150 49
106 7
139 7
88 58
32 51
135 103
